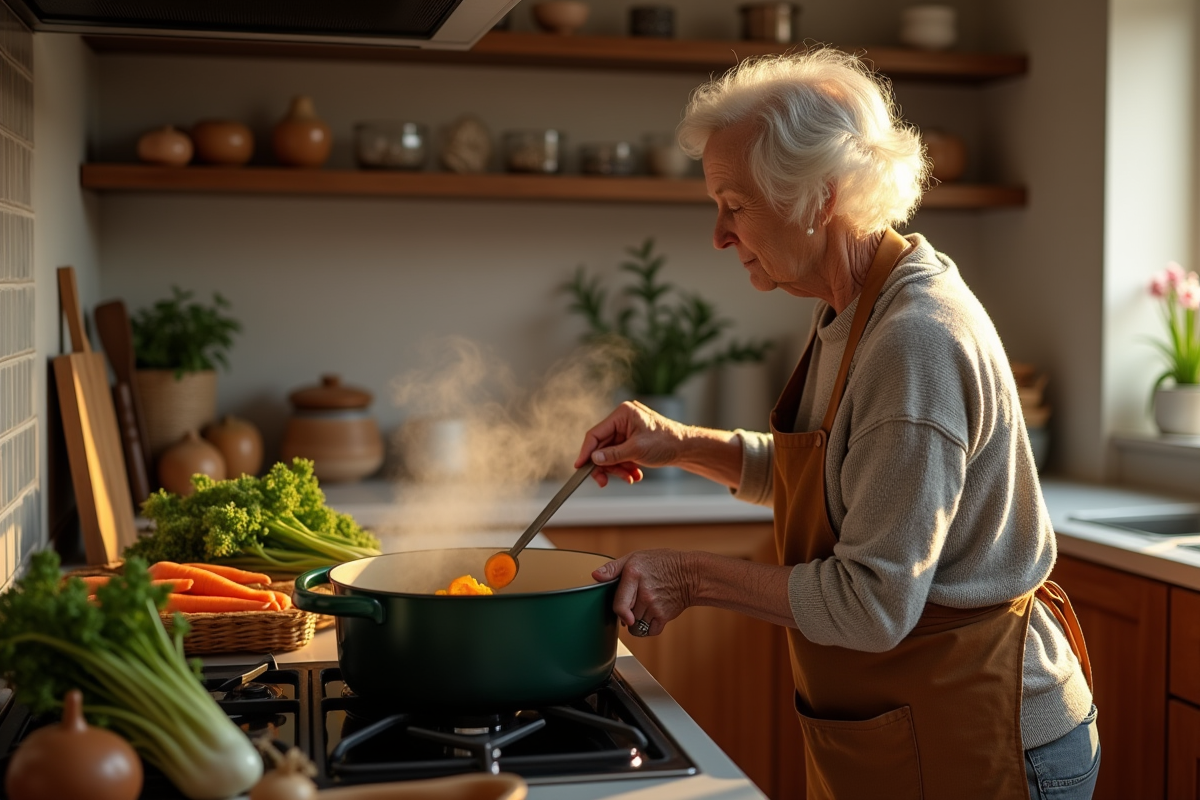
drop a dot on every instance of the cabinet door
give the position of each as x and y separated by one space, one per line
1185 644
723 668
1183 757
1124 620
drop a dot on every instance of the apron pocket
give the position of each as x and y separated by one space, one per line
863 760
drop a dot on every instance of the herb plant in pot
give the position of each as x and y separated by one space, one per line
1176 395
666 336
178 344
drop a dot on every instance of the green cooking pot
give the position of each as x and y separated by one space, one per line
547 638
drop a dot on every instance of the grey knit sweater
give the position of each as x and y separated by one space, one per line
930 483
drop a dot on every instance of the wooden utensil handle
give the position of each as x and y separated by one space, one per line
68 296
127 424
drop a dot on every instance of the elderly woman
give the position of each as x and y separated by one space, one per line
931 657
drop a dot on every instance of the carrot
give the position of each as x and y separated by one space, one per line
199 604
499 570
233 573
93 582
285 600
207 583
178 585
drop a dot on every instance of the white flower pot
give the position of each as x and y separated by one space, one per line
1177 409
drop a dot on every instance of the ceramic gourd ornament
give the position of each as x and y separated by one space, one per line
240 443
73 759
947 152
185 458
165 146
223 142
301 139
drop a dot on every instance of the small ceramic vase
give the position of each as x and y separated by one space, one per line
187 457
301 139
240 443
165 146
223 143
948 154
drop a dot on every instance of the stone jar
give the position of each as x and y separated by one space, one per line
331 427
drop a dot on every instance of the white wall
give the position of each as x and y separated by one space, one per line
1042 266
67 228
353 285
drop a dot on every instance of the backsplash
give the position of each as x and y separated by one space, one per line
20 517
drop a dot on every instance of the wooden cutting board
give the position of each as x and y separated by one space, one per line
93 443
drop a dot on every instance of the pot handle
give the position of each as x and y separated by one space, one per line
339 605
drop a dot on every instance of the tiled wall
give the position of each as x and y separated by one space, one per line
20 518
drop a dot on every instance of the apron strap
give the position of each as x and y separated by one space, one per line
1059 604
891 248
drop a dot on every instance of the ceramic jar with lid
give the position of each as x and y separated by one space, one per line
331 427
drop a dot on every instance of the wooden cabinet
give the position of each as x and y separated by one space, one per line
728 671
1124 620
1183 757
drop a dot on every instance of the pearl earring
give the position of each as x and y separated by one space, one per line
809 231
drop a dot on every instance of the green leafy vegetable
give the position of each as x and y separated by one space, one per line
133 675
276 524
183 336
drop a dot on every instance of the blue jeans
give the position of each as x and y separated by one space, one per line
1066 768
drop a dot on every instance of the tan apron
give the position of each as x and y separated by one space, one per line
937 717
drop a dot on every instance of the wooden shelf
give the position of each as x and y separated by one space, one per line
588 52
445 185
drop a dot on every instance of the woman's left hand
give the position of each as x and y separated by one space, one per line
656 586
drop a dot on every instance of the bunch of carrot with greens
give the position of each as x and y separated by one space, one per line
209 588
133 674
278 524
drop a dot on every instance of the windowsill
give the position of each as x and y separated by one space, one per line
1161 462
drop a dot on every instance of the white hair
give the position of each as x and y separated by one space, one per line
824 122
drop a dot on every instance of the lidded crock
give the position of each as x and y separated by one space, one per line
331 427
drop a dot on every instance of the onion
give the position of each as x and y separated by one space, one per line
73 760
289 780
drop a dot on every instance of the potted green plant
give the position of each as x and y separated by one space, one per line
1176 393
666 336
178 344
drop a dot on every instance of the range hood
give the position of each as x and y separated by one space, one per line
431 24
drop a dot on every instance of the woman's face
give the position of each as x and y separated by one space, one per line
773 249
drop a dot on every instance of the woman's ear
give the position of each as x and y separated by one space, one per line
827 208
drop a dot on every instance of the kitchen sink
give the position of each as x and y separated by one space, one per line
1172 520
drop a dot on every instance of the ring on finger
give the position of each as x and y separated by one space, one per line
640 628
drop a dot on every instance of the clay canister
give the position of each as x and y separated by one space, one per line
165 146
301 139
185 458
223 142
240 443
331 427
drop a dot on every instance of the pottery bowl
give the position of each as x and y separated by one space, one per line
561 16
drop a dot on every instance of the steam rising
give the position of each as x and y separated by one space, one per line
476 438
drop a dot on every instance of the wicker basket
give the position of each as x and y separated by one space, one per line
240 631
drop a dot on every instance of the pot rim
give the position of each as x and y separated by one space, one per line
492 597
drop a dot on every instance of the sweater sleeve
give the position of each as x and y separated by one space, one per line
757 484
901 484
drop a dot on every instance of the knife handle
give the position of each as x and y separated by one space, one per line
131 443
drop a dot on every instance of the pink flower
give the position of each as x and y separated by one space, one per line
1158 285
1175 274
1189 293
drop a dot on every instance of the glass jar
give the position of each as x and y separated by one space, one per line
534 151
391 144
608 158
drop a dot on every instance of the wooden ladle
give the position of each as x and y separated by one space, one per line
501 568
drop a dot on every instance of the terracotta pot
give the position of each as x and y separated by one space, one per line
301 139
332 428
240 443
165 146
185 458
172 407
948 154
223 142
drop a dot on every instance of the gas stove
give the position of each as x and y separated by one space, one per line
607 735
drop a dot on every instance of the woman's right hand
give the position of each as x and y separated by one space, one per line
631 437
